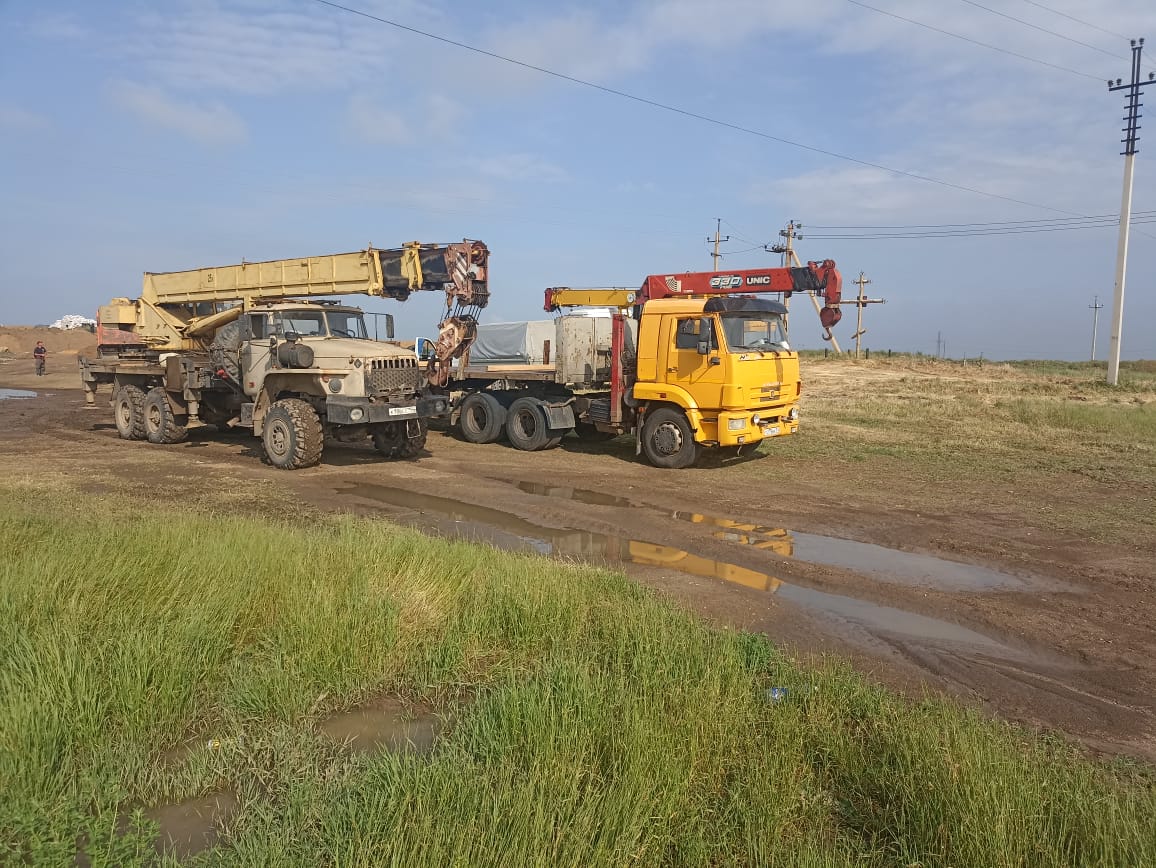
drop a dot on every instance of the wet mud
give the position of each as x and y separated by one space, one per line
192 826
385 724
989 605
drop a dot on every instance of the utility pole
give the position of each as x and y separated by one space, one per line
716 240
791 258
860 302
939 345
1132 104
1095 308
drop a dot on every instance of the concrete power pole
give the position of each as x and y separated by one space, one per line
1132 104
716 240
791 258
1095 307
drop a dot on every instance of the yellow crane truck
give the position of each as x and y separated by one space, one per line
688 362
255 346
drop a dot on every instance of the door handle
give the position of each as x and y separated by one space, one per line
671 370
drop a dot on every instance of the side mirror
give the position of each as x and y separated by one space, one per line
704 333
389 326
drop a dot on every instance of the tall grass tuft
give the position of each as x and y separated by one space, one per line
154 658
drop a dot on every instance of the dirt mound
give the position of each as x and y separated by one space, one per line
19 340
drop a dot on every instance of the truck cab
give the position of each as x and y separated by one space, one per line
723 365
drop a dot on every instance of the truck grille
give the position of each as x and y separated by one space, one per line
392 375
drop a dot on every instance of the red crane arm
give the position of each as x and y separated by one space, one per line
821 278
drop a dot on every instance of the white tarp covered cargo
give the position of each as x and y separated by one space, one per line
514 343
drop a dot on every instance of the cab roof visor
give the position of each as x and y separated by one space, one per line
739 304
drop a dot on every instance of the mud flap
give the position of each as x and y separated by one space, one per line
559 417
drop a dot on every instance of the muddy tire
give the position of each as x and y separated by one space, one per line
481 418
162 422
667 439
392 439
526 426
292 435
128 412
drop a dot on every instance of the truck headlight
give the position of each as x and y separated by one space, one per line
335 385
356 414
756 419
794 414
736 424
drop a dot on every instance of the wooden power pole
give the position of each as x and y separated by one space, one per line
790 257
716 240
860 302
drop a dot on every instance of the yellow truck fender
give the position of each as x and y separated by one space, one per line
675 396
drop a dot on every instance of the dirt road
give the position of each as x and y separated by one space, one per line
1056 633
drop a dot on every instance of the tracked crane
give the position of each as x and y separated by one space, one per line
266 346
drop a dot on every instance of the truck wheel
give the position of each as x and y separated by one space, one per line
161 422
128 410
293 437
481 418
526 426
667 440
392 440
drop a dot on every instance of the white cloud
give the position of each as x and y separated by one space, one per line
209 123
521 167
16 119
263 47
371 123
404 120
64 26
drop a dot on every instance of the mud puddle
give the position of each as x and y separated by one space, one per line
866 622
387 724
193 826
892 565
16 393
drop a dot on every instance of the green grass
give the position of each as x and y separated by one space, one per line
1048 440
592 723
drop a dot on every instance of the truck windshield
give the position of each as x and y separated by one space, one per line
763 331
346 324
322 323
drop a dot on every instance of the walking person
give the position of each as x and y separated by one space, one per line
40 354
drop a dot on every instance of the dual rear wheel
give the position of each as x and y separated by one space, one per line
154 415
483 418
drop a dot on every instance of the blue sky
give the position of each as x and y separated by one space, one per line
176 134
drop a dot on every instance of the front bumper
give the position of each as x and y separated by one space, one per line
777 422
341 410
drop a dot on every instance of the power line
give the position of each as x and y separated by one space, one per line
966 234
965 39
1047 220
737 233
1041 29
716 121
1074 18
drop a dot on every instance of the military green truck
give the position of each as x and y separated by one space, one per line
257 346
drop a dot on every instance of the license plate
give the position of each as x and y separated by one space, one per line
403 411
771 431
